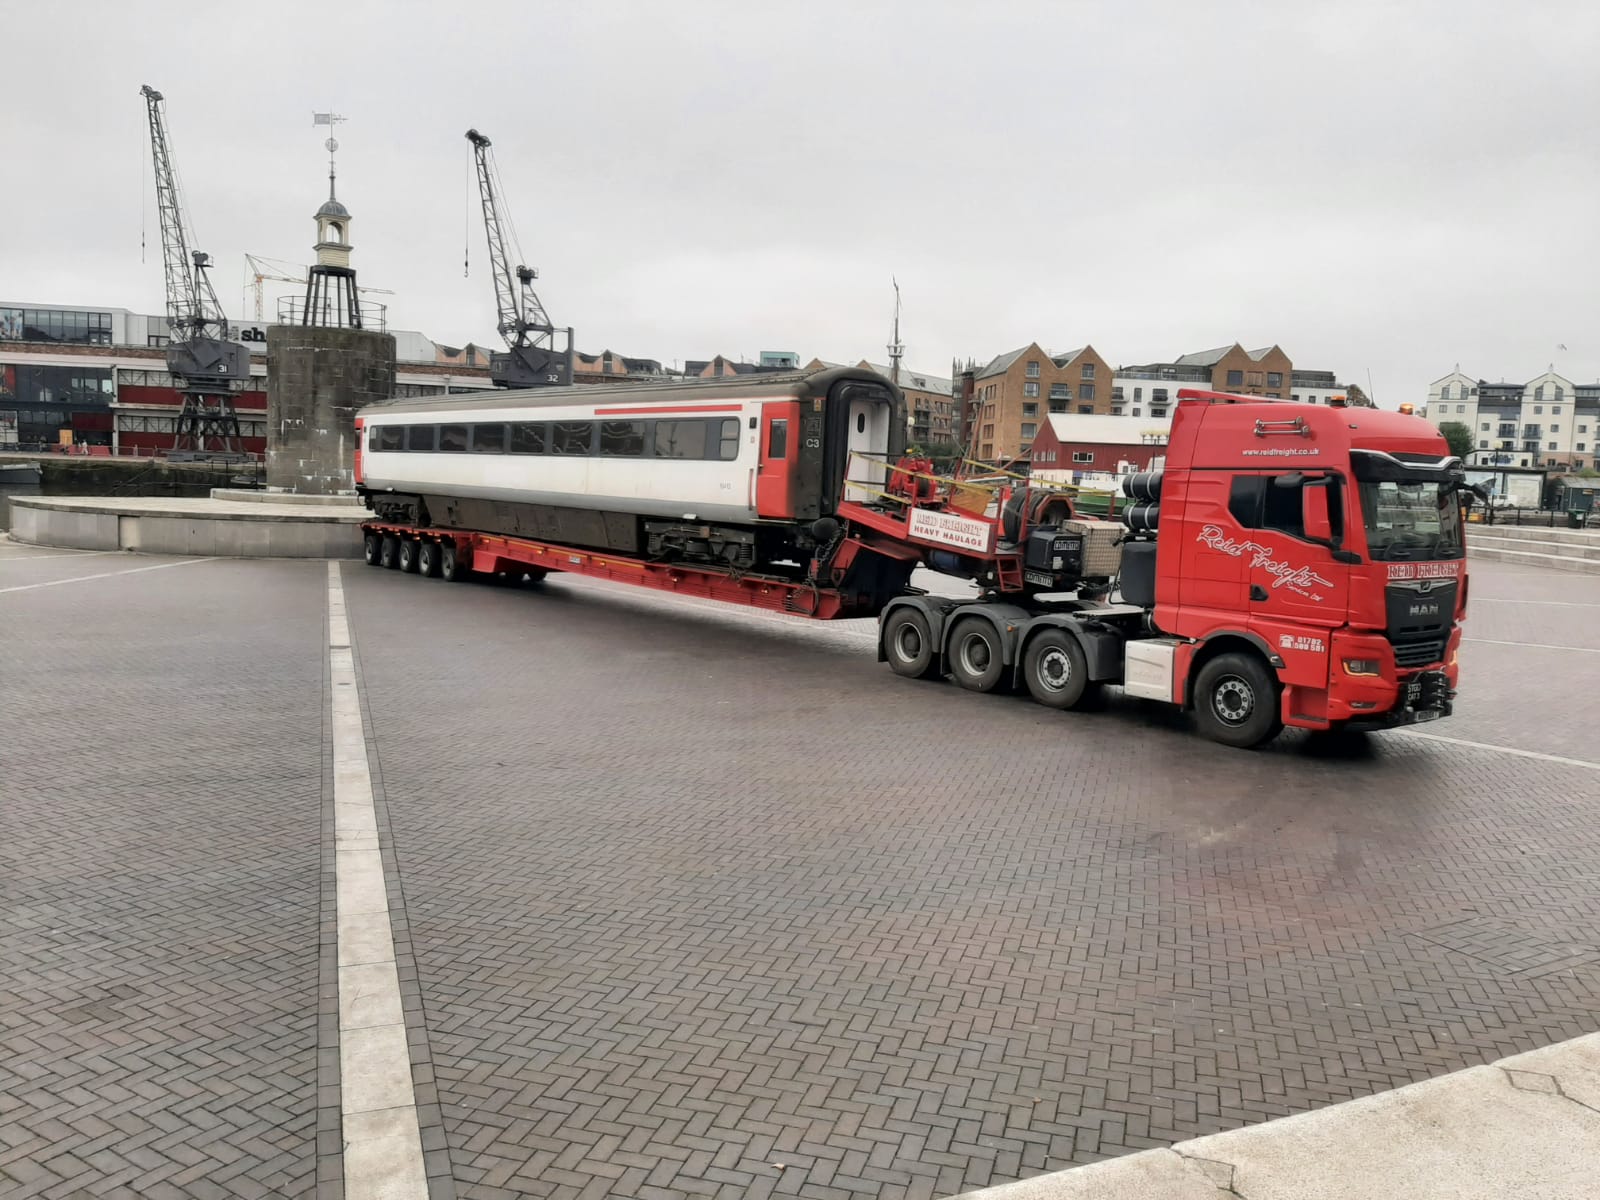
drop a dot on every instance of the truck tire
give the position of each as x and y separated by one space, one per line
408 556
1236 701
372 549
428 559
1056 671
389 551
977 655
908 644
451 568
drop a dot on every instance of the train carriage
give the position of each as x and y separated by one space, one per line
741 471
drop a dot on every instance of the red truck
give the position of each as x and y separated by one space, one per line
1293 564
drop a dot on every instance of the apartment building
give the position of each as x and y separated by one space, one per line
1549 421
1014 392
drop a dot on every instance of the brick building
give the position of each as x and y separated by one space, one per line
1014 392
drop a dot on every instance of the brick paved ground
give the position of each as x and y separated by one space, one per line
693 892
160 735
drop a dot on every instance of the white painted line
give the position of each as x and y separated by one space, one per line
28 587
1511 750
378 1102
48 557
1477 599
1532 645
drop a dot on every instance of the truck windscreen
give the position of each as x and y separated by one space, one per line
1411 510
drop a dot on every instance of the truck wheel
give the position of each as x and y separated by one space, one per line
372 549
408 556
428 559
389 552
1056 671
451 568
1236 701
908 644
977 656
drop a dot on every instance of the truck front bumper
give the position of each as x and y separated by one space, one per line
1394 697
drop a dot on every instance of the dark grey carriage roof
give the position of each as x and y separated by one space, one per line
798 383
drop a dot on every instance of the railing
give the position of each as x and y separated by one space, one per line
292 311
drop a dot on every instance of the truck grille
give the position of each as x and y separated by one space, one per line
1419 654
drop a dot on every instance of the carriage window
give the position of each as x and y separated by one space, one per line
528 438
730 439
778 440
571 437
452 439
622 439
388 438
681 439
488 439
420 437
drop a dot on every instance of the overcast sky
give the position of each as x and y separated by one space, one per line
1389 187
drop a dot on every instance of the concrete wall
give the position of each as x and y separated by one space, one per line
317 379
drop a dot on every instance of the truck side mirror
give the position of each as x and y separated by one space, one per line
1314 512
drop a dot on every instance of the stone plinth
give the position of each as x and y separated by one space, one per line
317 379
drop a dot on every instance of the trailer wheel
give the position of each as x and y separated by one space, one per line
1236 701
977 656
389 552
1056 671
372 549
451 568
408 556
908 644
428 559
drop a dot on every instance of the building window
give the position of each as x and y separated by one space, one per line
1061 391
1157 412
1030 410
1088 370
1116 410
1461 408
1029 430
1085 408
1555 427
1086 391
1579 446
1538 409
1555 409
1158 396
1030 389
1235 378
1483 445
1033 370
1116 392
1483 427
1275 379
1058 406
1083 456
1538 393
47 325
1136 410
1295 396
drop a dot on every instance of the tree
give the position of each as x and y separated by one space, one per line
1356 398
1459 437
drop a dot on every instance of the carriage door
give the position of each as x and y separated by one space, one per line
867 470
778 460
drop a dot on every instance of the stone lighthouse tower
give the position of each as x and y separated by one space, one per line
326 360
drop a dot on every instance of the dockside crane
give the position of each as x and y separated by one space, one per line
207 366
533 358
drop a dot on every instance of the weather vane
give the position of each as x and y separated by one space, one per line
330 119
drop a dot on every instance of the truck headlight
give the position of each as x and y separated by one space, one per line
1362 666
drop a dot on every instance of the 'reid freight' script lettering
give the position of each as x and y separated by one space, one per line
1301 580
